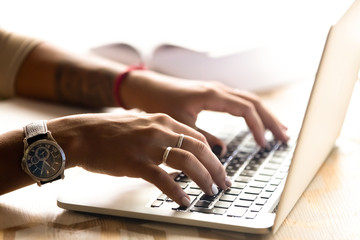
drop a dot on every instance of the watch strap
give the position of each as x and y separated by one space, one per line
35 131
57 178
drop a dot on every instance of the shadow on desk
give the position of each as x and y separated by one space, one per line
92 226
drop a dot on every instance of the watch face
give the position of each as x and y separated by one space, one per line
45 160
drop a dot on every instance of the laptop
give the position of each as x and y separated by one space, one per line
266 182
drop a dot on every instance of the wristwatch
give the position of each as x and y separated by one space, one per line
44 159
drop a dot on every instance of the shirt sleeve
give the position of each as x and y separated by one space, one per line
13 50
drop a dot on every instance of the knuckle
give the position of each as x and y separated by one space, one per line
151 131
248 108
209 89
162 118
202 138
201 147
256 101
187 158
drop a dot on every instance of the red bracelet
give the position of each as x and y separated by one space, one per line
120 79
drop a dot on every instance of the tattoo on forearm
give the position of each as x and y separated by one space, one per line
85 88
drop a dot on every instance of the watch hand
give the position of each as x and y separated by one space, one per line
42 167
49 165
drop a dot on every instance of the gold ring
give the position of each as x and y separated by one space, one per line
179 143
166 154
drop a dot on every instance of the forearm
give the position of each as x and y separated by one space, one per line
49 73
11 151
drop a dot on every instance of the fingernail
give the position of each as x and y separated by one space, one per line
185 201
266 143
214 189
217 149
228 182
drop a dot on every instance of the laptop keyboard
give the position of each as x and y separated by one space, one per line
256 173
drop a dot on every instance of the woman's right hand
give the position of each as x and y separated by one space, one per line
133 144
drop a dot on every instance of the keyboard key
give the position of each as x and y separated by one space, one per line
260 201
236 212
233 191
255 208
216 211
222 204
157 203
182 178
248 197
242 179
250 215
271 166
248 173
194 186
280 175
256 184
202 204
183 185
169 205
209 198
228 198
243 203
276 160
275 182
266 195
183 208
162 197
266 172
253 166
240 157
238 185
262 178
231 172
193 192
270 188
251 190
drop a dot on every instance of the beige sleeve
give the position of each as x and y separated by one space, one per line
13 50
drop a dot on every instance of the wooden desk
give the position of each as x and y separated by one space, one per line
328 209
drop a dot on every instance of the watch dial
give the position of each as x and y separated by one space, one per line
44 160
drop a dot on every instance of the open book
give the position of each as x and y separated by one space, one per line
256 69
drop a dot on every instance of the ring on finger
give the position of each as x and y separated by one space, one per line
181 138
166 154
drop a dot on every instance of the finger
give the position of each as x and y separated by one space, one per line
201 154
193 168
218 147
274 125
242 108
269 120
162 180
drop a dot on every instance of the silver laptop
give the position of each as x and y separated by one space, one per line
266 182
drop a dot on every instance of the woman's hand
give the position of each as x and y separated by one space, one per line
133 145
185 99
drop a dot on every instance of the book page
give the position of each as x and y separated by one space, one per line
119 52
257 69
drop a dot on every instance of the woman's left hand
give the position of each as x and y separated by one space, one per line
185 99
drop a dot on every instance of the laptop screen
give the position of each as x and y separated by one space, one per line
326 110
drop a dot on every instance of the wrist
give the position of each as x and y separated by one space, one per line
64 130
120 82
